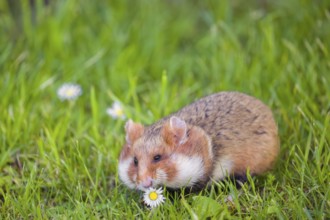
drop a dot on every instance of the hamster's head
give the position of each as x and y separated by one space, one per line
161 157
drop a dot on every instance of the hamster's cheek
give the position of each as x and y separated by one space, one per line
161 176
190 169
134 178
165 172
126 174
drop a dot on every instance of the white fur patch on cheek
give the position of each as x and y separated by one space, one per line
190 171
222 168
123 167
161 178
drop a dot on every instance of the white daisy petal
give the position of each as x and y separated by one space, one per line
116 105
69 91
116 111
153 197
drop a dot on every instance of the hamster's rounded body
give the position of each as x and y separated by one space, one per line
223 134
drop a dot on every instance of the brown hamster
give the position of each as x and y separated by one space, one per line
223 134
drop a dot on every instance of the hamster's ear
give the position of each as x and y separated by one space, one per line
175 131
133 131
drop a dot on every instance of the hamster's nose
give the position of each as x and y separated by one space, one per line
147 183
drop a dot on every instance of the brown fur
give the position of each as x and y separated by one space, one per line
231 124
240 126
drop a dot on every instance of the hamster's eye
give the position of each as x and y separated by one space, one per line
157 158
136 161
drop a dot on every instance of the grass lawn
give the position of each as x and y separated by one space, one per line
58 159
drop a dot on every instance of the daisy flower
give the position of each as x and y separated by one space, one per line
69 91
116 111
153 197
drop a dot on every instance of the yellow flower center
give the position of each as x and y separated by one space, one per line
153 196
119 112
69 92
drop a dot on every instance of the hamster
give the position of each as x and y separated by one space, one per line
220 135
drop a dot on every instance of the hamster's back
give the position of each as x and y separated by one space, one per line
242 128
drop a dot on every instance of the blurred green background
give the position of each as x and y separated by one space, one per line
59 159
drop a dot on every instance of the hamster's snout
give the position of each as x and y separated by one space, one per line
147 183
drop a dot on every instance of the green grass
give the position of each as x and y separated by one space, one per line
58 160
